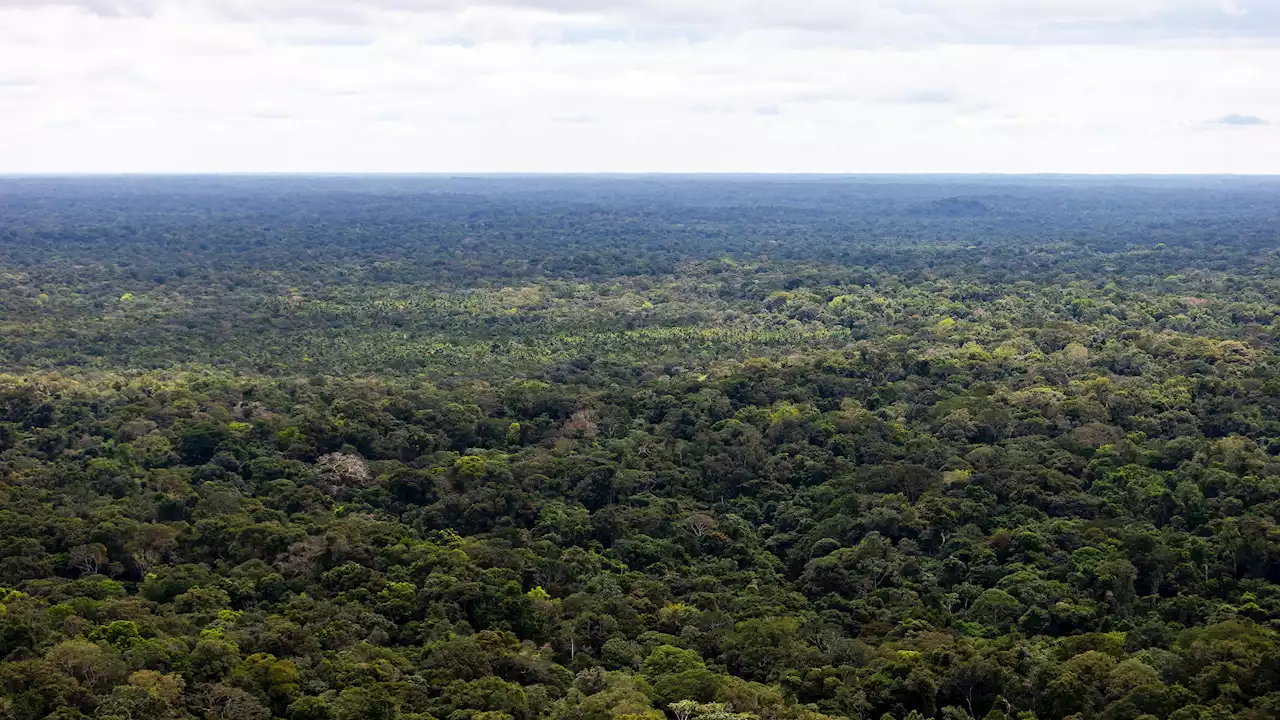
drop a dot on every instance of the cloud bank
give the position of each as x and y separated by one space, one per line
639 85
1242 120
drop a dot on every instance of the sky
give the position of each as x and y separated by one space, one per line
829 86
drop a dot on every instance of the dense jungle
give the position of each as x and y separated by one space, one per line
639 448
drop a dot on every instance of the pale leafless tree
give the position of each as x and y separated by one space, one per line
700 524
220 702
340 470
88 559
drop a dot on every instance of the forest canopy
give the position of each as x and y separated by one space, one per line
637 448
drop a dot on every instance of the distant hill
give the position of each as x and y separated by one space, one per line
953 207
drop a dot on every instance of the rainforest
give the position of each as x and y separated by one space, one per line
639 448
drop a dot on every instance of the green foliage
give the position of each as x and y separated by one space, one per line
330 449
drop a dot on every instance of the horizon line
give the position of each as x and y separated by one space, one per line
609 174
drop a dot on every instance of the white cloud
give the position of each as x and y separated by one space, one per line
652 85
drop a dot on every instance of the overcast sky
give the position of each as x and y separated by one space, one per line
1094 86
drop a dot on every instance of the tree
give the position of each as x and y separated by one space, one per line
222 702
358 703
88 559
339 471
996 607
88 662
690 710
669 660
130 702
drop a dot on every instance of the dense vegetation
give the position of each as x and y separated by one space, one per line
693 448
